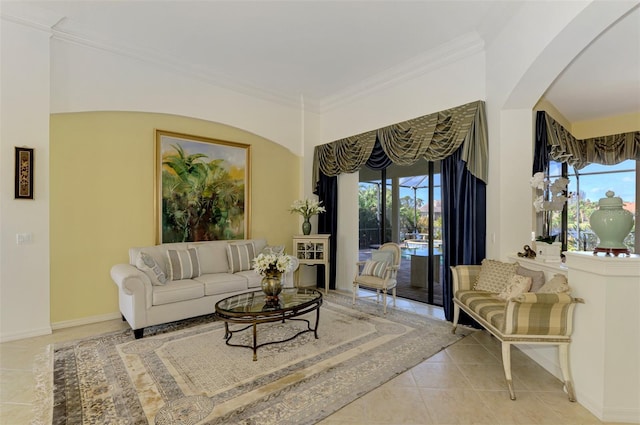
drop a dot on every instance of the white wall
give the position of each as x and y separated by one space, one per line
24 100
455 84
522 63
85 78
41 76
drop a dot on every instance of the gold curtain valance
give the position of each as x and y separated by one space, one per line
433 137
606 150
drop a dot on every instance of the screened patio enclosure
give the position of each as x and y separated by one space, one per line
411 215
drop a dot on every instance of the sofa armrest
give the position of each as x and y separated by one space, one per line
133 282
464 277
540 314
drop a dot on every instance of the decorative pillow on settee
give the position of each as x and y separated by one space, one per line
537 277
557 284
517 285
494 275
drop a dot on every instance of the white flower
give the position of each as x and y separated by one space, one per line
271 263
307 207
539 204
538 181
556 190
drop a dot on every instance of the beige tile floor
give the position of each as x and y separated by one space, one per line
463 384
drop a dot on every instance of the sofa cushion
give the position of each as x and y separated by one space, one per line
178 290
212 256
183 263
254 280
485 304
537 277
150 267
556 285
222 283
494 275
518 285
240 256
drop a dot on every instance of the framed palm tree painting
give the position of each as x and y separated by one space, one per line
202 188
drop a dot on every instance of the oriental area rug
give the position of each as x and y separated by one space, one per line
184 373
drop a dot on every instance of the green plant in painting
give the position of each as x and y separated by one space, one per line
202 199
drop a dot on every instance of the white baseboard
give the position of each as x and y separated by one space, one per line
547 357
85 321
26 334
628 416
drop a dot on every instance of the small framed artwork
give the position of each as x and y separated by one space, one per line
202 188
24 173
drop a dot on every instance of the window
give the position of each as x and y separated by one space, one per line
586 187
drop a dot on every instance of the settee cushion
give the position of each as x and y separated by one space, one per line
537 277
212 256
485 304
183 263
221 283
150 267
178 290
240 256
495 275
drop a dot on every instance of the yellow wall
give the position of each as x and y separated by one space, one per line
606 126
102 198
593 128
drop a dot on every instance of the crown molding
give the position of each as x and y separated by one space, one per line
31 16
448 53
167 63
457 49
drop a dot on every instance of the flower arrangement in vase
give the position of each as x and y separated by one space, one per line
307 208
271 267
553 198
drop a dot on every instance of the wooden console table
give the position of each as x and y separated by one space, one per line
313 250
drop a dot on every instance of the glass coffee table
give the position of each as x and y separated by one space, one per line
253 308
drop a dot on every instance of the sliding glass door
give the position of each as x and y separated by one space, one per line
403 204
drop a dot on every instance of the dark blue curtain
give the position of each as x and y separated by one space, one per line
378 159
541 150
464 223
327 191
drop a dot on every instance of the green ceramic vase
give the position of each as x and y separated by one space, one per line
610 222
306 227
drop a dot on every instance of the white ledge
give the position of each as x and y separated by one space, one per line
603 265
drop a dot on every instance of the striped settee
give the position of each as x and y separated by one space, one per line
528 318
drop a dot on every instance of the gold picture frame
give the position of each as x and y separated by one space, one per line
202 188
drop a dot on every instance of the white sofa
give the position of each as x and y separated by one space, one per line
145 301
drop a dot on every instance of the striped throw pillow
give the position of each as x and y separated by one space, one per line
374 268
240 256
183 264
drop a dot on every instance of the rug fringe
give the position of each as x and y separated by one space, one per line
43 372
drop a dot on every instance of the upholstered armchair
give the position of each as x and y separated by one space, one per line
379 273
